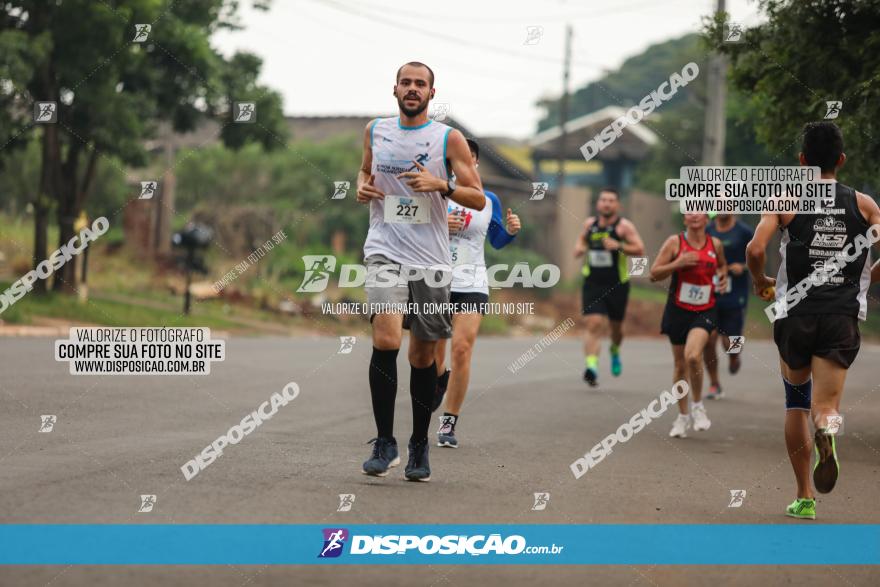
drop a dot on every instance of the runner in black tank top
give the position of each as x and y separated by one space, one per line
811 239
820 295
603 266
605 243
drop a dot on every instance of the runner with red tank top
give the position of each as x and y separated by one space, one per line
696 263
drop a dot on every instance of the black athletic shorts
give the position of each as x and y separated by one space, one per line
731 320
834 337
469 302
605 298
677 322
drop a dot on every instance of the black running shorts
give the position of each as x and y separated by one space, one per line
609 299
677 322
834 337
469 302
731 321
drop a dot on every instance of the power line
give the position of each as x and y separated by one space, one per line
458 41
535 18
461 65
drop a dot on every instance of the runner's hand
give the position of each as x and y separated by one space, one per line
688 259
455 220
610 244
423 181
368 191
722 282
736 268
761 283
513 224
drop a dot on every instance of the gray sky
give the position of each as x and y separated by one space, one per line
339 57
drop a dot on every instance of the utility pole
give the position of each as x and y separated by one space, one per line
167 187
716 93
563 108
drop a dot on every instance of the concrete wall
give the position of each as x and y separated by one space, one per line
138 224
574 205
562 216
654 218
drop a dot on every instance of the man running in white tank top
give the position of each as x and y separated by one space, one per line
406 177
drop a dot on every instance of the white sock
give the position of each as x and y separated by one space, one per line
698 404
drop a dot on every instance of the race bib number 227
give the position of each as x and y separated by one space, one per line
407 210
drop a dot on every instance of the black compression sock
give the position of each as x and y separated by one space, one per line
422 383
453 419
443 380
383 389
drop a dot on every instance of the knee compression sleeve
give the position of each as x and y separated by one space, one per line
800 396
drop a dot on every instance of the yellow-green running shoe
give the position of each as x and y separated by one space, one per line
802 508
827 467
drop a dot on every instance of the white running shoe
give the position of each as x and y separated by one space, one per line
680 426
701 420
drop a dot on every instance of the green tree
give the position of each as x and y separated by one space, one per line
286 181
679 122
111 91
20 179
681 142
809 52
634 79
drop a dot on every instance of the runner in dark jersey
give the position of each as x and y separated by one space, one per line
731 303
605 242
695 261
820 295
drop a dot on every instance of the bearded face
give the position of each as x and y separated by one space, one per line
413 90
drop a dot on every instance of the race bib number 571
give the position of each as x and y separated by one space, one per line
407 210
696 295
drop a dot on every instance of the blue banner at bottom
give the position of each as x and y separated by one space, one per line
492 544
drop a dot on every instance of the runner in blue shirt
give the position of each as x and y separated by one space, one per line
469 230
734 235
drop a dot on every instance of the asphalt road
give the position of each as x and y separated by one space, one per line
118 437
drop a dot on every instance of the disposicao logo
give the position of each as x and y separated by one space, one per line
334 541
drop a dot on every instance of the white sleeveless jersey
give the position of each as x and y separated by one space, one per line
408 227
467 249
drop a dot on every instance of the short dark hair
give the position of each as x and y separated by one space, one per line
822 144
612 190
475 148
417 64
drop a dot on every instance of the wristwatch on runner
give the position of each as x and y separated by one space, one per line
450 184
